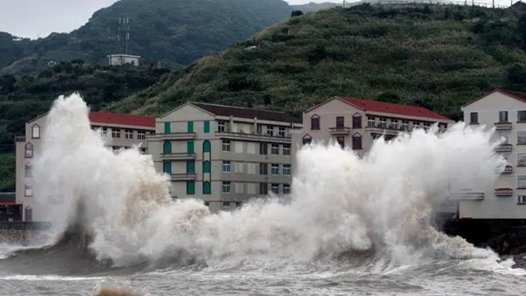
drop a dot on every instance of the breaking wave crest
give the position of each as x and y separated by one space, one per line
342 206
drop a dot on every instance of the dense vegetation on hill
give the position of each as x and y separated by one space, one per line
439 56
176 32
22 99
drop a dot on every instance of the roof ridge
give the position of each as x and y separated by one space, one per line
245 108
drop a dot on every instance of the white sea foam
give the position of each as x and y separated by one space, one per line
340 202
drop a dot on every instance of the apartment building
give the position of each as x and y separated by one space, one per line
121 131
506 112
224 155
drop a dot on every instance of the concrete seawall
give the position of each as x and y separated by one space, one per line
22 232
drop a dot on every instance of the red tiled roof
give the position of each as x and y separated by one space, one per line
241 112
399 109
513 94
123 119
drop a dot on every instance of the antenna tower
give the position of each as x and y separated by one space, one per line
124 34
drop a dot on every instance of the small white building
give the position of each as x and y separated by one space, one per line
121 59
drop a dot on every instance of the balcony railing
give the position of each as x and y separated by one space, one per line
503 192
502 125
467 195
182 177
285 138
178 156
340 130
504 148
172 136
508 169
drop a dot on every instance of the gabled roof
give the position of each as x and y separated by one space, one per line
512 94
122 119
391 108
222 110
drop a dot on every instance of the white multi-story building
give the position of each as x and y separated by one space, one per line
123 131
506 111
224 155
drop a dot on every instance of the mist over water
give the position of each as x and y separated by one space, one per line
378 208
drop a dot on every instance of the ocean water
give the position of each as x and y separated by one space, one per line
353 226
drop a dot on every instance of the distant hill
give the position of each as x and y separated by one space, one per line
175 32
439 56
312 7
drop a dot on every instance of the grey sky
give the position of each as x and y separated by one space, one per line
38 18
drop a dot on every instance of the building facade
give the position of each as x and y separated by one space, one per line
122 131
224 155
123 59
506 112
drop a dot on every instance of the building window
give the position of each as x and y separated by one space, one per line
206 127
190 147
226 204
225 188
143 150
190 187
263 148
238 188
521 116
226 166
274 170
341 141
286 169
405 125
427 125
238 204
35 131
221 126
167 167
340 121
115 133
383 123
207 188
190 126
206 146
357 121
474 118
521 137
315 123
263 169
281 132
225 146
274 149
28 171
286 149
503 116
270 130
128 134
206 166
141 135
394 124
521 199
286 189
371 121
28 214
167 128
263 188
521 159
29 150
28 190
274 188
307 140
190 167
521 182
357 142
167 147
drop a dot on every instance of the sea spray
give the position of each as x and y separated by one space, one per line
340 202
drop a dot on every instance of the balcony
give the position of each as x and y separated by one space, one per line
172 136
508 169
253 137
182 177
502 126
503 192
178 156
340 130
467 195
504 148
388 129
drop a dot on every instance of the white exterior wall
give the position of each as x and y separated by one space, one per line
491 206
121 59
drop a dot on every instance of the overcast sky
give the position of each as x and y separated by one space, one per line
38 18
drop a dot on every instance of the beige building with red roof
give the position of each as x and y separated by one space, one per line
506 112
224 155
123 131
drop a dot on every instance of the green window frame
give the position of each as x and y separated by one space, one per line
207 189
206 127
206 166
206 146
167 128
190 147
190 167
167 147
190 187
190 126
167 167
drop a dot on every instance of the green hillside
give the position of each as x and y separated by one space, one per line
437 56
175 32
